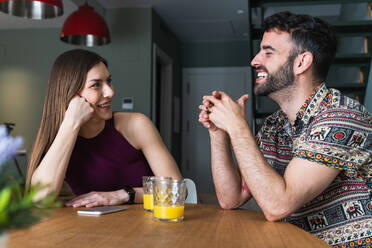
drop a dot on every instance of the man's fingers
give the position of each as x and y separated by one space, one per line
241 101
204 119
210 101
216 94
207 103
204 114
223 96
203 107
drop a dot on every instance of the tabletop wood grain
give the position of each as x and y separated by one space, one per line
203 226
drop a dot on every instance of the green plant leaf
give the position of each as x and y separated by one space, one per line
18 209
3 219
5 196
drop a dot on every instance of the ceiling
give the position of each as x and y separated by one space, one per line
190 20
216 20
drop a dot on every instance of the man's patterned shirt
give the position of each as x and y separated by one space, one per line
332 130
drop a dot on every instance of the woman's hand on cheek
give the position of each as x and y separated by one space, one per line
94 199
79 110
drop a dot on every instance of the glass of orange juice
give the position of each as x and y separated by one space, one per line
169 200
148 199
148 190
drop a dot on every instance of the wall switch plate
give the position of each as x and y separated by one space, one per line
128 103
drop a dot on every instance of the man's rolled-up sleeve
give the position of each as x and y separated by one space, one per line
336 141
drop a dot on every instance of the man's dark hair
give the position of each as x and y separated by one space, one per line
308 34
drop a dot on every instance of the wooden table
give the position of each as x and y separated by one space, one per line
203 226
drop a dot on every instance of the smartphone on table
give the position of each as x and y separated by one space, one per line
96 211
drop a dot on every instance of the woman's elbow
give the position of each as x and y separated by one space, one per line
41 194
42 189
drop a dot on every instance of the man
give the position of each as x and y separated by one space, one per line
311 163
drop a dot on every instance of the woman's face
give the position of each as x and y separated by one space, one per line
98 91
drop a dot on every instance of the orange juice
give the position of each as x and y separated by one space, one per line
168 213
148 202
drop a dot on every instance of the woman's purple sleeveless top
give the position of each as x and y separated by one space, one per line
106 162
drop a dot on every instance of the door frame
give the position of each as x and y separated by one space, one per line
166 97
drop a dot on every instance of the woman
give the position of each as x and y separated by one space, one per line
101 155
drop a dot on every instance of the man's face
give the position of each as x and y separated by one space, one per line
274 63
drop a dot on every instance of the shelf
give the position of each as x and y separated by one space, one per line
276 3
343 29
355 59
353 28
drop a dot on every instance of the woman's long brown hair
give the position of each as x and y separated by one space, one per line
66 79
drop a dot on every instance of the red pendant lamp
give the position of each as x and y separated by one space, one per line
32 9
85 27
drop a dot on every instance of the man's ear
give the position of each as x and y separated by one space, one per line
302 62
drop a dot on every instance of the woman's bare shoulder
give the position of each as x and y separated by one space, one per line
130 120
133 126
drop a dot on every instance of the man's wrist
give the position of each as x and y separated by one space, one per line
219 133
239 129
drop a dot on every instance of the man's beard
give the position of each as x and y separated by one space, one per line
278 80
